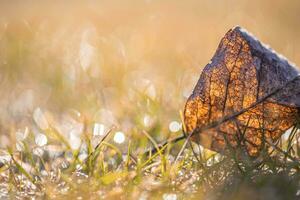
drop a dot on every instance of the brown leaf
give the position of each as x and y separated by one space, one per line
246 95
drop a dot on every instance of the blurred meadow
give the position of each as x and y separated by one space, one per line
72 72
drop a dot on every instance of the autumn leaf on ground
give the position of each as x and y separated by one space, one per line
246 96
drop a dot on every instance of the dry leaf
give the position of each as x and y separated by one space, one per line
245 96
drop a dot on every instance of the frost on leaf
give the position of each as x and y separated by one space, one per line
246 96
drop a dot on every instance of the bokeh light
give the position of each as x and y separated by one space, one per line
119 137
174 126
99 129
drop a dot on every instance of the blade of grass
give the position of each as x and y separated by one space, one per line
157 148
20 168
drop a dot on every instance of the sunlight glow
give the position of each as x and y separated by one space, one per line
147 120
119 137
174 126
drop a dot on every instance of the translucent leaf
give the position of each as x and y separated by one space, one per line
245 96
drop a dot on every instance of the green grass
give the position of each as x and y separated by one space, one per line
107 172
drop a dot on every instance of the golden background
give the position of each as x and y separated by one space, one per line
128 63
